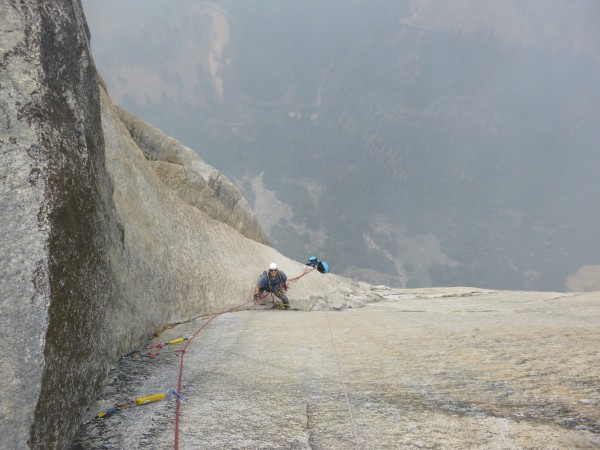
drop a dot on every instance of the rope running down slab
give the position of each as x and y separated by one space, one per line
189 341
182 351
354 432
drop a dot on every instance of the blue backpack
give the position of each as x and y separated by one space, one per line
323 267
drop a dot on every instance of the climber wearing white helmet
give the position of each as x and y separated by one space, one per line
273 281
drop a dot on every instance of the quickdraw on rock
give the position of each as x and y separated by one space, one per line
137 402
114 409
152 355
171 342
157 397
138 355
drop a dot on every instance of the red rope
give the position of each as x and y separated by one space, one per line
182 351
189 341
307 269
259 298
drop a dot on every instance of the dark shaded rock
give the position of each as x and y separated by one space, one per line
56 227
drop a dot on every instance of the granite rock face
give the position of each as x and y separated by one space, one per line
194 181
110 230
445 368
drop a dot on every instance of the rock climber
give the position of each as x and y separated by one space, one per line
273 281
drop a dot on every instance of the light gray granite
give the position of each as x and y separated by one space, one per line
442 368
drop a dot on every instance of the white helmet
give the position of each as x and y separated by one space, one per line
272 266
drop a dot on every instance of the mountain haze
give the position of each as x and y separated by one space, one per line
412 143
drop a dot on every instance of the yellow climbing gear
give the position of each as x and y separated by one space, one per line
150 399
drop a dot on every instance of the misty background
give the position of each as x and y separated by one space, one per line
410 143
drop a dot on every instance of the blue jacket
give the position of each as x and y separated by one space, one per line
267 284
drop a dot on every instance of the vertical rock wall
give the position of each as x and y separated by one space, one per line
55 224
54 227
24 229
